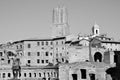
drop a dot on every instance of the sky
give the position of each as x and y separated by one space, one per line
23 19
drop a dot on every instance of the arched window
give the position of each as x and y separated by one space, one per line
62 59
48 74
96 31
30 75
3 75
9 75
25 75
98 57
34 74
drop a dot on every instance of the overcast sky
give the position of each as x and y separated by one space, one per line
22 19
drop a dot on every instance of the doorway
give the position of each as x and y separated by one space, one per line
98 57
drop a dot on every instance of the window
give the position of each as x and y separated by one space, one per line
1 54
42 43
34 74
44 74
38 43
38 61
39 74
62 42
83 73
46 43
96 31
20 46
3 75
62 59
67 61
24 74
38 53
17 46
29 46
46 53
51 43
9 75
111 49
19 74
60 54
51 74
29 61
56 55
51 54
54 74
42 61
29 54
46 61
56 60
56 43
48 74
116 59
8 61
30 75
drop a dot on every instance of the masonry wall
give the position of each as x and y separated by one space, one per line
78 53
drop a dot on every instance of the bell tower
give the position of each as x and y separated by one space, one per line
96 30
60 22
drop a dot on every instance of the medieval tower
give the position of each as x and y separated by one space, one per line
60 22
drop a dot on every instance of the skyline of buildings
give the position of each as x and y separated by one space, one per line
61 57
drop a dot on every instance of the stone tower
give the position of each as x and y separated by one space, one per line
60 22
96 30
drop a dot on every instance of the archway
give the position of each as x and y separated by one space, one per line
98 57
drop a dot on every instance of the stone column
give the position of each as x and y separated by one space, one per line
112 57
